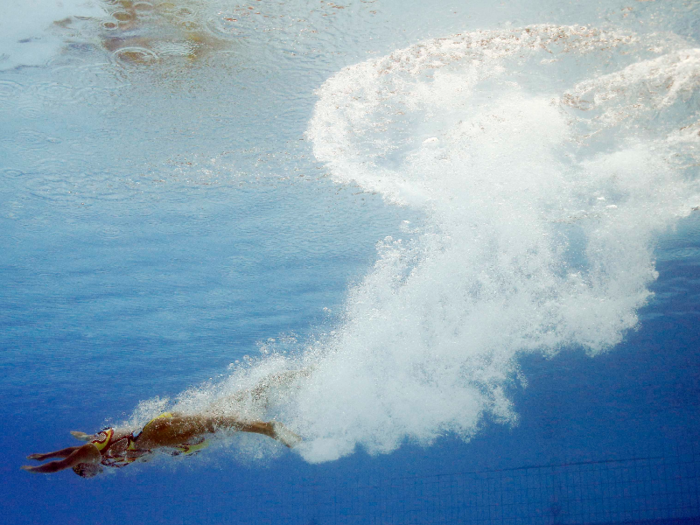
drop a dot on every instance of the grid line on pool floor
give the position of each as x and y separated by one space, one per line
663 489
653 490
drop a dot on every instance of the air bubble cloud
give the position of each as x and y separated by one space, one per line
543 193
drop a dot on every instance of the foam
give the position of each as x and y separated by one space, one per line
541 212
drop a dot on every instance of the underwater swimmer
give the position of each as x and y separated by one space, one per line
180 434
119 447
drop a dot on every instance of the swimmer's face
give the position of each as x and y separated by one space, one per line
87 470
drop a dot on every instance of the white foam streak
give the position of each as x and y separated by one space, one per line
658 83
536 237
366 98
433 334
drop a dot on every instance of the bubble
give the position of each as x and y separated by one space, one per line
490 276
537 237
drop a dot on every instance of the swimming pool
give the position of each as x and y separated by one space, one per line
473 223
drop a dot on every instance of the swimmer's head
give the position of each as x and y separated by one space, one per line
87 470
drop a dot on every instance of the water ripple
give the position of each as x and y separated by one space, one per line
9 90
228 27
10 173
135 57
54 92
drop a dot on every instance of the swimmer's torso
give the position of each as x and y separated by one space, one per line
119 448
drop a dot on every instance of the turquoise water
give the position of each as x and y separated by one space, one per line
473 223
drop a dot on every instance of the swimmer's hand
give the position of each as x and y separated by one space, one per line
285 436
82 436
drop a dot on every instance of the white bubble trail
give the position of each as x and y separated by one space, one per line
541 205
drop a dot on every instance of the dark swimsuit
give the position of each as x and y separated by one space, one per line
119 457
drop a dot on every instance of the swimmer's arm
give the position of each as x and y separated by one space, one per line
63 453
82 436
85 454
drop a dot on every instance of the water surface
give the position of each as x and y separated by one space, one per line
473 222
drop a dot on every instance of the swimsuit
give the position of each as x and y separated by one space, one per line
119 457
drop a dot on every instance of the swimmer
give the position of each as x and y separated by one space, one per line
179 433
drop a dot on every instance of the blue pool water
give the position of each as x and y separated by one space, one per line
474 224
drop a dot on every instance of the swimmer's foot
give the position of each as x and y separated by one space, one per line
33 470
284 435
37 457
82 436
